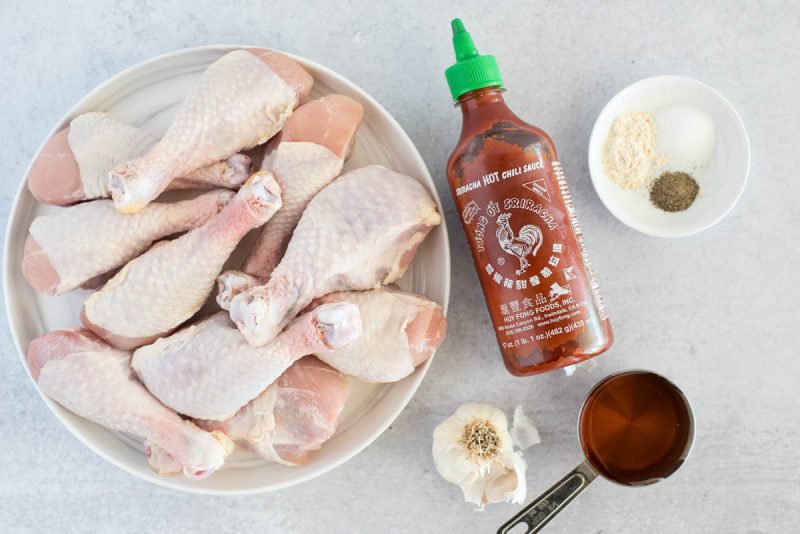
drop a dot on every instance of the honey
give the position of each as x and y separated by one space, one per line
636 428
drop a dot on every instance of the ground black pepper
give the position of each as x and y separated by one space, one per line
674 191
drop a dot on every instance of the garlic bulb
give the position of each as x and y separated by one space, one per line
473 448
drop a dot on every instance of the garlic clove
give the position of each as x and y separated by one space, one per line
510 486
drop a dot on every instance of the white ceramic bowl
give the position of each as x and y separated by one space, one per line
721 181
147 95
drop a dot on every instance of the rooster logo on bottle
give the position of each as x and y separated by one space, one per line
525 244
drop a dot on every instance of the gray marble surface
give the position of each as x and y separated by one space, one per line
715 312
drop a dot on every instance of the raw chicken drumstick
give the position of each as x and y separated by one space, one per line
360 232
400 331
304 157
93 380
241 101
74 164
292 417
208 371
166 285
68 249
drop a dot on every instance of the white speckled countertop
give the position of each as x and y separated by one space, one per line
715 312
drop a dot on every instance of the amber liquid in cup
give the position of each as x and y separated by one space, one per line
636 428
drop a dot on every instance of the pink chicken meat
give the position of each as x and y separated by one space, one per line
241 101
81 243
208 371
400 331
291 418
165 286
93 380
74 164
304 157
360 232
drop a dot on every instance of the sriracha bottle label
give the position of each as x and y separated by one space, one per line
527 245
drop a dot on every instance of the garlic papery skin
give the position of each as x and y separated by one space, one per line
523 432
586 365
472 448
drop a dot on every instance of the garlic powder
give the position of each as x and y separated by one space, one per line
629 153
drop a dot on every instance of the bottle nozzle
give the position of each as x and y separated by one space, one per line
462 41
471 71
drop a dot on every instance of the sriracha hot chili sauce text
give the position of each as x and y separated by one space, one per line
515 207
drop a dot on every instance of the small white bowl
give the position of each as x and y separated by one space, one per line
721 181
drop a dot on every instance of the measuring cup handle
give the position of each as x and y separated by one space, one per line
538 513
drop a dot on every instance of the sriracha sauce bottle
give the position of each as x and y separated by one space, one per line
514 204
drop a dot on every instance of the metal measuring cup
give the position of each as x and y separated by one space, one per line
538 513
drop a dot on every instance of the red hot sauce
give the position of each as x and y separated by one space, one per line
517 214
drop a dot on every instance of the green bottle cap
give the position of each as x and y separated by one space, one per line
471 71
